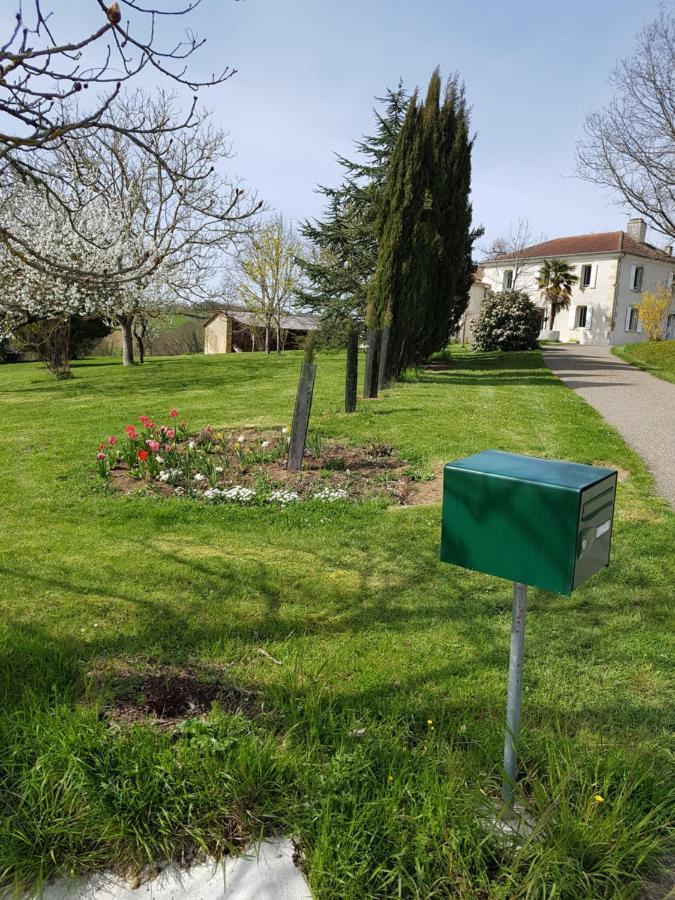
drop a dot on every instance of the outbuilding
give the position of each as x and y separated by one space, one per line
241 331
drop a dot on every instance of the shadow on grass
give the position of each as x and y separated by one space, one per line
251 604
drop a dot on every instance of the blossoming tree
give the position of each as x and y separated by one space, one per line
43 67
148 234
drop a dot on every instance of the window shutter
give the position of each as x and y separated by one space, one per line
626 327
572 317
639 324
594 275
671 278
632 277
589 316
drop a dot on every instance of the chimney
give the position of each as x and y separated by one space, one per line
668 249
637 229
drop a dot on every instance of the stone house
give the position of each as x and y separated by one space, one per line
613 269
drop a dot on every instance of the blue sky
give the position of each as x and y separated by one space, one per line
308 72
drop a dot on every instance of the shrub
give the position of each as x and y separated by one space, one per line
654 311
506 321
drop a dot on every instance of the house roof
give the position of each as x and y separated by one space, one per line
289 322
580 244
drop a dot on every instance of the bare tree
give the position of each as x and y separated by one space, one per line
41 71
506 252
266 277
629 145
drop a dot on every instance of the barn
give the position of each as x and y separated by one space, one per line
240 331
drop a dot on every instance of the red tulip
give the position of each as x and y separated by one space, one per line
142 455
173 413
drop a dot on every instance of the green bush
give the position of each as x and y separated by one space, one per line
507 321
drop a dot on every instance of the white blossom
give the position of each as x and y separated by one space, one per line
330 495
283 497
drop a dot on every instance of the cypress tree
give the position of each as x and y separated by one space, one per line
421 281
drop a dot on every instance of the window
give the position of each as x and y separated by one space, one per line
581 316
632 318
637 274
507 280
586 276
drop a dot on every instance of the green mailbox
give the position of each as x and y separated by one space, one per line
539 522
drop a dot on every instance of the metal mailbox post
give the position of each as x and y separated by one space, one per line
538 522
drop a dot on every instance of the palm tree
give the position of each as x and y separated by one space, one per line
555 283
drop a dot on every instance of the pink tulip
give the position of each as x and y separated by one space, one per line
171 433
100 456
173 413
112 440
153 445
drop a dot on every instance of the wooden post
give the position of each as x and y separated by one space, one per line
370 376
382 374
352 370
303 407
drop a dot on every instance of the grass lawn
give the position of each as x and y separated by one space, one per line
655 357
372 633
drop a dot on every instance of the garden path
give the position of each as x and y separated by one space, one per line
640 406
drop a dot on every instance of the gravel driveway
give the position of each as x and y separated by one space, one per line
639 406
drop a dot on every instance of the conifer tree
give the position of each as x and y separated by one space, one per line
420 286
345 241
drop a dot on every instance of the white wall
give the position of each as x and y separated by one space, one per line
476 296
654 272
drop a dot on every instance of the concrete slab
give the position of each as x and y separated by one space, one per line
267 872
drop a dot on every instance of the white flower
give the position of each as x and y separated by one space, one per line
330 495
178 490
265 444
159 459
241 438
285 430
219 470
198 477
191 445
283 497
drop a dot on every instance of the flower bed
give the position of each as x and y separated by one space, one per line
248 466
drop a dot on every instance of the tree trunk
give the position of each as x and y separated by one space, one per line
383 376
141 349
267 339
127 340
352 370
300 424
372 353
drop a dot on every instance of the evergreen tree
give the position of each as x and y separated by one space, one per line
344 242
423 274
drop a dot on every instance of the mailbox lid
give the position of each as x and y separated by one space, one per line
533 469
